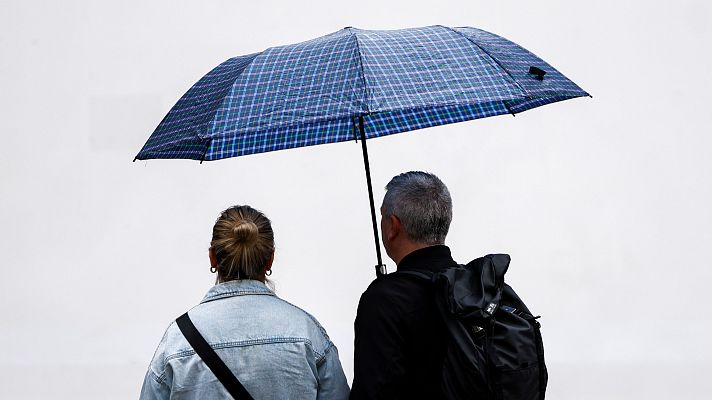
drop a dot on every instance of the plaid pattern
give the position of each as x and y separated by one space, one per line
311 93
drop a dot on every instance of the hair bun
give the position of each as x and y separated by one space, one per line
245 232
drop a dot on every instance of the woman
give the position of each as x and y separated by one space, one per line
276 350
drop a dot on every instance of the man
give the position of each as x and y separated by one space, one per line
400 338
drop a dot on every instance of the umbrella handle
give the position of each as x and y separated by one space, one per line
380 267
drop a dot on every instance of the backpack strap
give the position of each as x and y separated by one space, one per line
211 359
543 374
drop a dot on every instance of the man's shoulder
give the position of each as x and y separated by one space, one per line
386 284
393 292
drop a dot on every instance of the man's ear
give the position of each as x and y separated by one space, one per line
396 227
213 259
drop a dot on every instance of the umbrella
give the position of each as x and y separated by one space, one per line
354 84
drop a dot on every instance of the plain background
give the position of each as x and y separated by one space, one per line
603 203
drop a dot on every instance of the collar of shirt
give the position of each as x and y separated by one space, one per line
236 288
431 258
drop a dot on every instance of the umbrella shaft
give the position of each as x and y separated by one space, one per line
380 267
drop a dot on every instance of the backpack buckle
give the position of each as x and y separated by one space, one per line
491 308
478 332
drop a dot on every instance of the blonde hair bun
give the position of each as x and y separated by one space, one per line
243 243
245 232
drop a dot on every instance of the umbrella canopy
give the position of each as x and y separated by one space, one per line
354 84
312 92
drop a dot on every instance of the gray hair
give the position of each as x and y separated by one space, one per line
422 203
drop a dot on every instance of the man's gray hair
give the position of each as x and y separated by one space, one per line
422 203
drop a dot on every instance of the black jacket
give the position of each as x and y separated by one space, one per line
400 337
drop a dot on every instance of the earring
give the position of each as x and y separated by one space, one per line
268 272
213 269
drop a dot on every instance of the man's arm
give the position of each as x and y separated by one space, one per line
379 364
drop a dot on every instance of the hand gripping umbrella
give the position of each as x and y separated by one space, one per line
354 84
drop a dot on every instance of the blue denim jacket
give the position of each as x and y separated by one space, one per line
275 349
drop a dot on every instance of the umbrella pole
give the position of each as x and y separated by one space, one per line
380 267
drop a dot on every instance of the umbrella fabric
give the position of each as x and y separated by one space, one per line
313 92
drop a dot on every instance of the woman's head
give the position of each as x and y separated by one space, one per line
242 245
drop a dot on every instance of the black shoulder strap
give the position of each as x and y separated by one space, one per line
211 359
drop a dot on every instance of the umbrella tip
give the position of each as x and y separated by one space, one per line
134 160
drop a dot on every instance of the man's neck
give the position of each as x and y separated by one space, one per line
407 248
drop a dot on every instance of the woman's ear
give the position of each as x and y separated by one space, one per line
269 262
213 259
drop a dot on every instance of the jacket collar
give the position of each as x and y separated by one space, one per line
431 258
236 288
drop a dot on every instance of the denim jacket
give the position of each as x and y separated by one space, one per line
275 349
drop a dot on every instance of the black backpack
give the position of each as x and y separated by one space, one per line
494 349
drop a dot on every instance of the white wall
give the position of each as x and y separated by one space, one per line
604 203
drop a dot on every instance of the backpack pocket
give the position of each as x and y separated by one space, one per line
519 356
519 384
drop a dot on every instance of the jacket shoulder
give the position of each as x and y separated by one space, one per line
164 351
316 332
394 293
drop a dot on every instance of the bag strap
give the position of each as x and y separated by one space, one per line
211 359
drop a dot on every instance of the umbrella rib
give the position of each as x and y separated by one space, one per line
508 108
207 147
490 57
363 74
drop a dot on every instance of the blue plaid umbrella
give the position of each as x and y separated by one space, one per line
354 84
